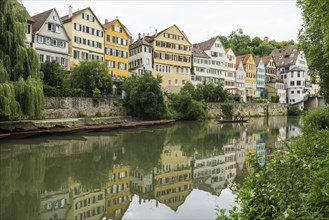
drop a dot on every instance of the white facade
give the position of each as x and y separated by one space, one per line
209 61
296 85
51 39
281 92
230 65
240 82
140 57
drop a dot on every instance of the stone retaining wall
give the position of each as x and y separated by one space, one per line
249 109
71 107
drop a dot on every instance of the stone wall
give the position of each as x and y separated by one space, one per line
71 107
249 109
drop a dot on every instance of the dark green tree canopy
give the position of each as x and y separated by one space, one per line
314 41
21 88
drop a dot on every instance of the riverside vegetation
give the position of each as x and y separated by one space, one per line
294 185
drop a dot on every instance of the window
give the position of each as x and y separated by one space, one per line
183 81
169 82
147 61
176 81
42 57
48 58
108 37
122 66
48 40
117 29
298 83
292 83
110 63
76 54
40 39
292 92
298 92
292 74
62 61
62 44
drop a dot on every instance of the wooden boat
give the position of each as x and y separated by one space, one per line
231 121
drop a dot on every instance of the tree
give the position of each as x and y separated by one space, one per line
90 75
21 87
56 79
294 185
143 96
314 41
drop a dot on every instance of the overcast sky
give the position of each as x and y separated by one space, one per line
200 20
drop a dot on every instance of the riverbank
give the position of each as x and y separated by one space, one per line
31 128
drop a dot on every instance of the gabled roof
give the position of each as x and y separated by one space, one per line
138 43
257 60
29 18
286 56
206 45
40 19
267 59
66 18
227 50
199 53
244 58
296 69
111 23
238 60
156 35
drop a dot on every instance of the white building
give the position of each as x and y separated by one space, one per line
230 64
209 61
50 39
240 82
140 57
297 86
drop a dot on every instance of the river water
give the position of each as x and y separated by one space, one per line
179 171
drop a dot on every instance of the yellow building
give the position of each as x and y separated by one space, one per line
86 34
173 181
250 69
172 57
116 40
85 203
118 196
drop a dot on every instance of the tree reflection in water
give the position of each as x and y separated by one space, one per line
96 175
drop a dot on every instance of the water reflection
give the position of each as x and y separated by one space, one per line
180 171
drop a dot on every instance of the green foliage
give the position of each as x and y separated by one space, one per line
227 110
209 92
293 110
294 185
262 100
187 108
56 79
275 99
313 39
317 119
90 75
97 94
20 77
143 97
98 114
242 44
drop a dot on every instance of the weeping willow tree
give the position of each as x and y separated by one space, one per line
21 87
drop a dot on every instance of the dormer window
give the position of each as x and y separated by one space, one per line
55 18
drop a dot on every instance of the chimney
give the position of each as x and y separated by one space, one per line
70 11
143 35
156 32
106 21
139 36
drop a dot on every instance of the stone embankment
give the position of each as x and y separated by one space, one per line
249 109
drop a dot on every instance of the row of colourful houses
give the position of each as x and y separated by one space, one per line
81 36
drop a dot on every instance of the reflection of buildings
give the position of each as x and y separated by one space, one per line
209 173
85 203
54 204
173 180
230 162
117 197
141 184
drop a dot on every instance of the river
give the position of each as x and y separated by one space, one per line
179 171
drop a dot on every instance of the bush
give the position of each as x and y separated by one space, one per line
293 110
97 94
98 114
143 97
275 99
295 184
317 119
187 108
227 110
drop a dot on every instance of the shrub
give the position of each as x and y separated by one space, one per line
98 114
317 119
97 94
227 110
293 110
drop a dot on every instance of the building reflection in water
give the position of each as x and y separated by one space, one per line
178 172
